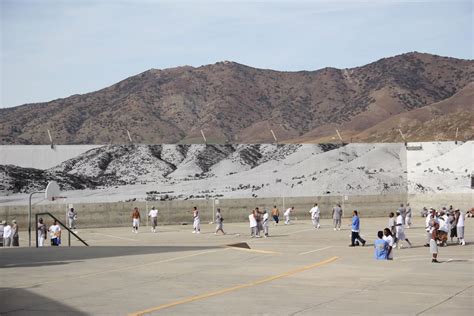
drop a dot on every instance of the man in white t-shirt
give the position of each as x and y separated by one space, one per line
287 215
55 234
265 223
196 221
7 235
400 230
429 221
315 214
153 214
444 227
460 227
253 225
387 236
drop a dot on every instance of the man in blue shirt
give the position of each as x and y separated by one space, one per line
355 230
381 247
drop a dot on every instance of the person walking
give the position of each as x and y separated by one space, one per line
355 228
287 215
387 236
400 230
7 235
337 216
153 214
408 216
315 214
381 247
196 221
15 234
276 215
460 227
41 231
55 234
265 223
72 218
135 220
219 222
434 243
253 225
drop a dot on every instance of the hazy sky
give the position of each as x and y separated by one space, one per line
53 49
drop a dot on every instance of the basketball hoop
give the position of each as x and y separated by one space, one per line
51 193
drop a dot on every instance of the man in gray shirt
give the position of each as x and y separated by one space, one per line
219 222
408 215
337 216
403 212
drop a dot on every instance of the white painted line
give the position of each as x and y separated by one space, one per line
301 231
112 236
311 251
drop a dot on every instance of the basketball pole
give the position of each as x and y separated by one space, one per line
29 216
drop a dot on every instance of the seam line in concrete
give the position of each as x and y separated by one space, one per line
445 300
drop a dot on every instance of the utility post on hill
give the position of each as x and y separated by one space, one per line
403 137
340 137
51 139
204 137
274 137
456 137
129 137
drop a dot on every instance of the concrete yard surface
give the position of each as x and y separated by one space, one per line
298 270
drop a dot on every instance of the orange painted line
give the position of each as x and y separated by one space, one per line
234 288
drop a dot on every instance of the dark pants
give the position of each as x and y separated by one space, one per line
275 218
355 236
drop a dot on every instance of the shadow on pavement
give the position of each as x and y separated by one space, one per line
31 257
24 302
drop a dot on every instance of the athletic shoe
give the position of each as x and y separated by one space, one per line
352 245
434 261
339 228
198 232
363 243
334 228
194 231
463 243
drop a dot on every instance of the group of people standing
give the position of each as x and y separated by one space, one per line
9 234
438 225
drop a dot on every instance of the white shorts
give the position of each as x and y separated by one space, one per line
136 222
460 231
433 246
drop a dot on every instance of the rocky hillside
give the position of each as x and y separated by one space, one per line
123 172
239 104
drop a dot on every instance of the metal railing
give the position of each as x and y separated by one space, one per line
57 220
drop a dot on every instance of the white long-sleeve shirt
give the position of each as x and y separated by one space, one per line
315 212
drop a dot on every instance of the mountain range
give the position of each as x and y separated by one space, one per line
428 97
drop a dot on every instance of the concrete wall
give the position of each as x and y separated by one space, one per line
234 210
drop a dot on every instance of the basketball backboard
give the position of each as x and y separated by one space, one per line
52 191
